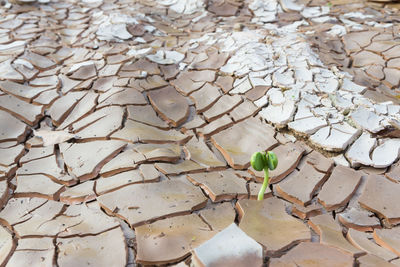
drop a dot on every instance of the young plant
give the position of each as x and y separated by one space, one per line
264 161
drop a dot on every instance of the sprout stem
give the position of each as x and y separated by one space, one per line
264 185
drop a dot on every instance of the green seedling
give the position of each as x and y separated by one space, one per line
264 161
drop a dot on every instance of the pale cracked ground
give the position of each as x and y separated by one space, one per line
126 129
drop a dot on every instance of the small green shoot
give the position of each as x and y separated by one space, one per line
264 161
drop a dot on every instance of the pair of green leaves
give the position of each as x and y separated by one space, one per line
261 160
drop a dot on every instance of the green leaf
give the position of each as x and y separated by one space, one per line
258 161
272 160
